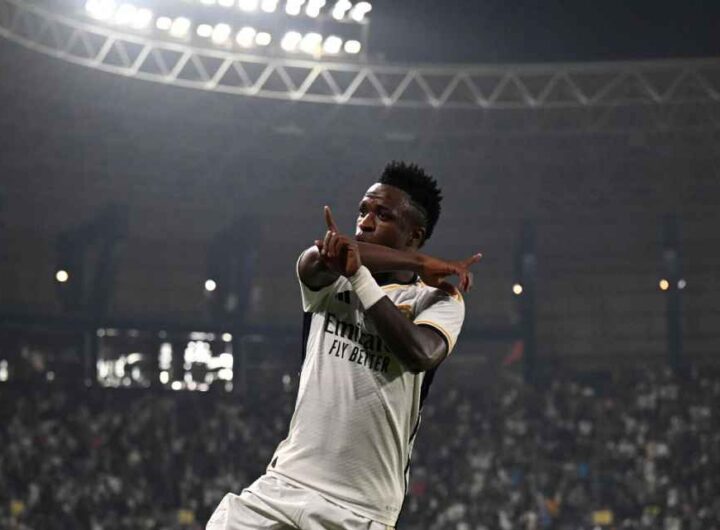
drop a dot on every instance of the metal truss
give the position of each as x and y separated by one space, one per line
657 84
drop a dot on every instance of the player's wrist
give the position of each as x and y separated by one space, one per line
420 262
366 288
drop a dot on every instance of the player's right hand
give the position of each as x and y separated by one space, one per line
433 271
339 252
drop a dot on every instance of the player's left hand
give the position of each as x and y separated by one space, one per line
433 272
339 252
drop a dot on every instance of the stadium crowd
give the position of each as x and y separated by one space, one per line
639 449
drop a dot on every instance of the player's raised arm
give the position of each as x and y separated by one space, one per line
419 348
319 265
313 270
380 258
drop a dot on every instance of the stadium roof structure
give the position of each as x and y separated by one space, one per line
663 90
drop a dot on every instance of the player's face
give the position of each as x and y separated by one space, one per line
382 217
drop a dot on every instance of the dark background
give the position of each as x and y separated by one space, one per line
189 163
595 184
549 31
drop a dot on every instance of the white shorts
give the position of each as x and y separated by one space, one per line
272 503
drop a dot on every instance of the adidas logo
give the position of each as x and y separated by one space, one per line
343 296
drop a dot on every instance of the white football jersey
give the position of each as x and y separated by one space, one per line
358 409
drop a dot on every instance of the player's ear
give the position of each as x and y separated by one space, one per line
417 236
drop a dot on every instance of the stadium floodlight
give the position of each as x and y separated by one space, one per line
226 359
164 23
221 33
293 7
62 276
269 6
341 7
100 9
124 14
352 46
517 289
227 337
664 285
332 45
204 31
313 8
180 27
263 38
248 5
311 43
359 10
210 285
290 41
246 36
142 18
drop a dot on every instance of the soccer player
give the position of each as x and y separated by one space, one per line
380 318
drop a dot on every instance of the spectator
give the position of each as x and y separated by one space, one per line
639 451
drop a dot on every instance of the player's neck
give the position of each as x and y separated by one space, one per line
385 278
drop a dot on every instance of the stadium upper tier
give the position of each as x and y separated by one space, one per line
183 61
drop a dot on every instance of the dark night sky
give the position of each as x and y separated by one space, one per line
543 30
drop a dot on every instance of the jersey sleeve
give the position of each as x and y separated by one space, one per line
442 311
312 300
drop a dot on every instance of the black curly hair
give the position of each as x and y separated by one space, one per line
422 189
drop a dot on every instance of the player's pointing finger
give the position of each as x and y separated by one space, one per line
329 221
473 259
